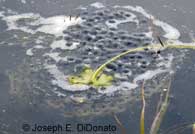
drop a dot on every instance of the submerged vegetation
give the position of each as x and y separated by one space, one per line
155 127
142 116
87 74
179 128
161 111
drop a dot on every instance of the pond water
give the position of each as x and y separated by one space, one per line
44 43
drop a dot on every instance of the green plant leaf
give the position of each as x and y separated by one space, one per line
85 78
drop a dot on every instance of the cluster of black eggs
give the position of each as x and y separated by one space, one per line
99 42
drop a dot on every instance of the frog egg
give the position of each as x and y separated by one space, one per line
132 56
112 66
143 21
98 37
100 45
67 38
84 31
49 60
90 20
69 44
88 24
123 36
88 38
139 35
111 33
71 59
84 13
93 32
100 13
129 44
127 15
97 18
97 28
113 29
83 43
126 70
110 17
117 16
103 32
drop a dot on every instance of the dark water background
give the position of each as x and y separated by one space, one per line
181 108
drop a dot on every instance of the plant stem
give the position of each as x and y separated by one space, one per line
142 118
159 117
100 69
139 49
122 128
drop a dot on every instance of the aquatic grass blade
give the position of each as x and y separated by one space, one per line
142 117
119 124
160 115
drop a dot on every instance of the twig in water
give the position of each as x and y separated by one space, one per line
119 124
160 41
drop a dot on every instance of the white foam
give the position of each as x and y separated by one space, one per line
97 5
81 7
170 32
29 52
149 34
137 9
123 86
59 94
149 75
74 45
39 40
38 47
12 25
52 25
55 56
57 24
59 44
